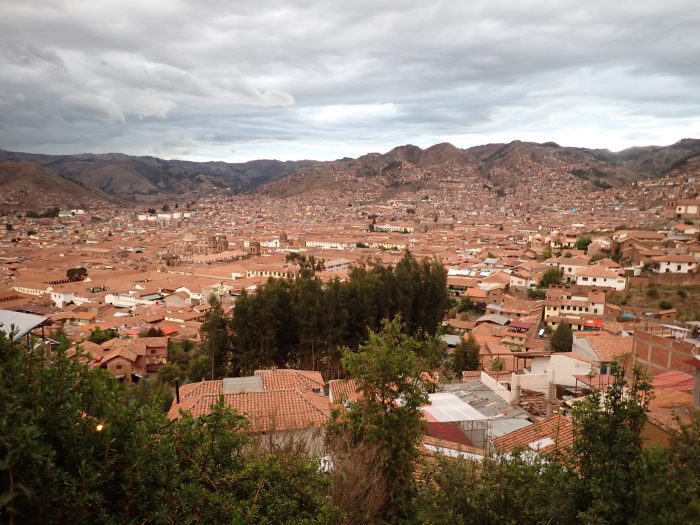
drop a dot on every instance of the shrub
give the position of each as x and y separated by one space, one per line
665 305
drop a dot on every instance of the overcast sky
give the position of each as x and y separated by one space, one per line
236 80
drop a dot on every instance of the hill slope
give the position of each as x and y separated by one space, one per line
27 185
122 175
503 166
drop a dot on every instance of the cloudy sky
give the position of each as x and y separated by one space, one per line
236 80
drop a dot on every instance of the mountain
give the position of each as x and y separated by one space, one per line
498 165
123 176
504 167
28 186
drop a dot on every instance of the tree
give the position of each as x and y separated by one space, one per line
75 449
562 339
387 370
99 336
547 252
583 242
77 274
466 356
216 339
607 448
166 207
551 276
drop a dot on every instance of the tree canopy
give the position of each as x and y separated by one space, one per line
74 449
562 339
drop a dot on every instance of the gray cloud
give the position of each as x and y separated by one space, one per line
317 79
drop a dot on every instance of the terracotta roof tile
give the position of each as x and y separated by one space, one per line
545 436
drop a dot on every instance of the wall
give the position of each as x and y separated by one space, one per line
497 387
661 354
562 367
537 382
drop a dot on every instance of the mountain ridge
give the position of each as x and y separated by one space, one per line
500 165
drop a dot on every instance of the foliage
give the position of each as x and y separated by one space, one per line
518 489
99 336
75 449
466 356
302 323
665 305
497 364
583 242
608 453
77 274
551 276
547 252
652 292
536 293
562 339
682 293
465 304
387 370
153 331
216 339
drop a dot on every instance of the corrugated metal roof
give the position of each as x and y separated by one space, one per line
19 324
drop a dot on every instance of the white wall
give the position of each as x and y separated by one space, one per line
562 367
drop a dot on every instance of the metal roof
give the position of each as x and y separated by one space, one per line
19 324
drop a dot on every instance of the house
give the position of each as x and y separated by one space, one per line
682 209
600 277
581 312
675 264
552 435
569 266
602 349
280 404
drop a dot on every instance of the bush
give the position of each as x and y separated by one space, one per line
652 292
682 293
665 305
536 293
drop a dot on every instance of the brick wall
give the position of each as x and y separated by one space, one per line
661 354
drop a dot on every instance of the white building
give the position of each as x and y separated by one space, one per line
600 277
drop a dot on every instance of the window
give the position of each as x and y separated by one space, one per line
118 367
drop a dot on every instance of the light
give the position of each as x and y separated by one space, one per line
99 427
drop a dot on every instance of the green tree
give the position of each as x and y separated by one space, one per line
547 252
387 370
562 339
466 356
607 449
75 449
517 488
583 242
99 336
551 276
216 339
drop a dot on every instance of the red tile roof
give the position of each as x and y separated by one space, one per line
554 433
